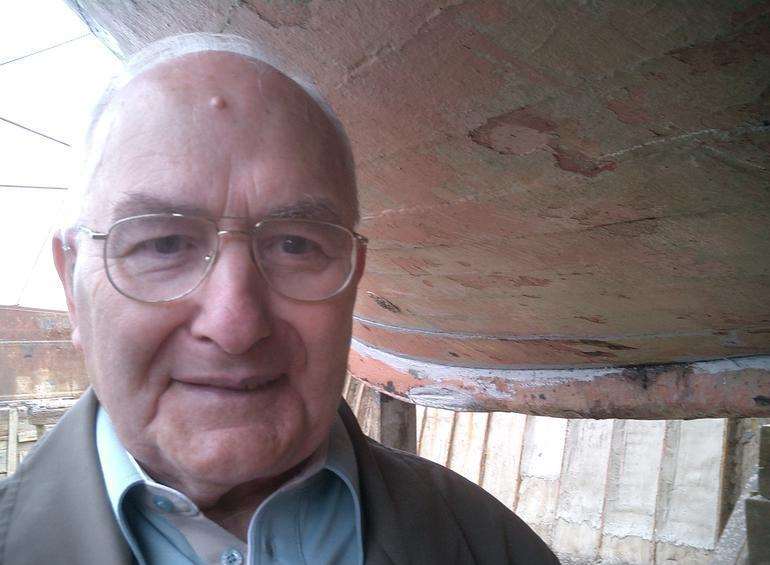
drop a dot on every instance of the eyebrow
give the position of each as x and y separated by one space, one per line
134 204
310 208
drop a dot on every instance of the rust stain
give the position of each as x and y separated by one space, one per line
383 303
630 109
577 162
414 266
607 344
482 282
519 132
595 319
523 131
663 391
603 354
281 14
736 49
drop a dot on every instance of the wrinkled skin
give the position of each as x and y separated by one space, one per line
263 145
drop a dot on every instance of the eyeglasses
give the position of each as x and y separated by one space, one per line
163 257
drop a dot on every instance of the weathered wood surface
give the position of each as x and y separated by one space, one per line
727 387
732 548
564 184
398 423
758 506
598 491
18 435
389 420
764 462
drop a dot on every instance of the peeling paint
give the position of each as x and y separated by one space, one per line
718 133
761 362
577 162
439 397
439 373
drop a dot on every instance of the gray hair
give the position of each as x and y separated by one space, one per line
91 147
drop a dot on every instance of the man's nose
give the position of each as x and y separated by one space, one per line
234 311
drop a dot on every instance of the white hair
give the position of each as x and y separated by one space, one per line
93 141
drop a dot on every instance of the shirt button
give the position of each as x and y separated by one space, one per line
163 503
231 557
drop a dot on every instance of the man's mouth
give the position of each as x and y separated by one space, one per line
236 383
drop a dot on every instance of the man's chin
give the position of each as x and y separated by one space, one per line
220 459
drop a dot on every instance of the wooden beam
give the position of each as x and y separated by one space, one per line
711 389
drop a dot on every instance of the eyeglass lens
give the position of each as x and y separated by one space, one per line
161 257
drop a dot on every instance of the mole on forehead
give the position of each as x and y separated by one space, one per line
217 102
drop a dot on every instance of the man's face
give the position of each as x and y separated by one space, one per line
227 138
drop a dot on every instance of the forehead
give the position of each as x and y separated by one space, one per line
220 135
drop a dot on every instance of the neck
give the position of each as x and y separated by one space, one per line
233 511
234 508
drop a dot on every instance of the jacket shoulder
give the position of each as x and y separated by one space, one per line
483 521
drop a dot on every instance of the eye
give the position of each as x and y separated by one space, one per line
166 245
295 245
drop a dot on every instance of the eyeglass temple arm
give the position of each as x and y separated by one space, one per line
89 232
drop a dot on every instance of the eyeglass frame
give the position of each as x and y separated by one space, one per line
359 242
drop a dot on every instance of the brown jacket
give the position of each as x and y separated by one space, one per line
55 509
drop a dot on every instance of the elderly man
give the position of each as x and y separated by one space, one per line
210 279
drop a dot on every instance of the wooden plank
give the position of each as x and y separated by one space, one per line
368 412
632 487
12 456
680 554
502 460
764 461
582 487
689 484
467 449
540 471
397 423
419 414
437 434
758 529
31 416
628 550
346 386
46 416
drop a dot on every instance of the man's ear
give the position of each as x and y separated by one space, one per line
64 256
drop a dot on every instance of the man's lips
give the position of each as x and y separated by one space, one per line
230 381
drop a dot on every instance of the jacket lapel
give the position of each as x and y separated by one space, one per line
383 542
59 491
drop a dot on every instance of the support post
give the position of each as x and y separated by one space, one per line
758 506
764 461
12 449
398 423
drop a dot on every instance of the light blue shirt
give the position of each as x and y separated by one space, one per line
315 518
